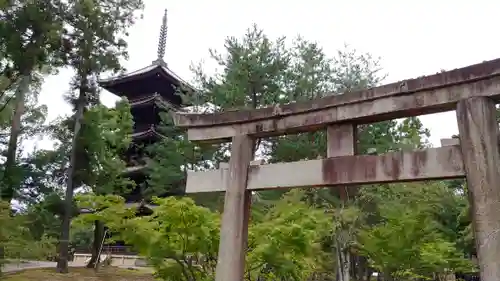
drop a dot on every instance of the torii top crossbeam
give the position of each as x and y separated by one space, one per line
424 95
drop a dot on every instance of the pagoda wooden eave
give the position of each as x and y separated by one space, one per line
151 132
129 205
156 67
134 169
154 99
140 205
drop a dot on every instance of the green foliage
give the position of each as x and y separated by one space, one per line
286 242
185 242
105 136
93 45
16 240
180 239
44 216
97 36
171 157
253 68
408 239
107 208
32 31
30 37
81 236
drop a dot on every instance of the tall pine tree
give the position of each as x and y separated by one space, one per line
95 44
31 36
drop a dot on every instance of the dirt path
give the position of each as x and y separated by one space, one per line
21 265
77 274
15 266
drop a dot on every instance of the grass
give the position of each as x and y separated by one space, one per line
80 274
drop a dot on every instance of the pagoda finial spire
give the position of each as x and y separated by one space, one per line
162 40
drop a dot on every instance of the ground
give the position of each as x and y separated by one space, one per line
79 274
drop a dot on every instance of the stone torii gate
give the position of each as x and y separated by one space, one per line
472 91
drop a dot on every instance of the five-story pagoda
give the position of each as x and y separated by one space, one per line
149 90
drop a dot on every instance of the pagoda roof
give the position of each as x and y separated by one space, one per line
155 98
133 169
151 132
139 205
157 65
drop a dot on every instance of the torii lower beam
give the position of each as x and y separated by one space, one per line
432 163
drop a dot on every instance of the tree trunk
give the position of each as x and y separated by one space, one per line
9 185
346 262
359 268
343 262
62 262
96 245
388 276
7 188
369 274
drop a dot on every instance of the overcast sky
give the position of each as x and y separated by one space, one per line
413 38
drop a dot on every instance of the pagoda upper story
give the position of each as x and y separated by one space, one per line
155 80
150 90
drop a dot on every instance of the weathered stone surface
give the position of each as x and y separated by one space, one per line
426 95
478 131
471 73
234 228
341 141
432 163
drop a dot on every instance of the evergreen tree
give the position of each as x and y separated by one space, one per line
30 33
94 44
171 158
